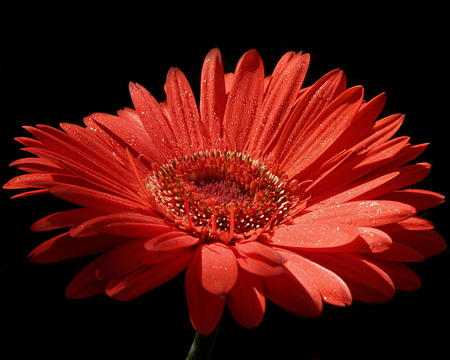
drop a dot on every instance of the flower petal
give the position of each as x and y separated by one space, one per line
99 200
243 100
85 283
128 257
218 267
205 308
371 213
419 199
147 278
123 224
366 281
279 99
213 95
402 276
65 247
308 106
154 122
412 223
318 235
245 300
259 259
331 287
426 242
184 116
64 219
398 252
294 291
170 241
377 241
324 130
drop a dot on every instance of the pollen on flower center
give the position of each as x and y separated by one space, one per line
220 195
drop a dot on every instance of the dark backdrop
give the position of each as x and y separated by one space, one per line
59 63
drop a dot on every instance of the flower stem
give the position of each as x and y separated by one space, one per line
202 346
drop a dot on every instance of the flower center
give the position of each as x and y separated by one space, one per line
220 195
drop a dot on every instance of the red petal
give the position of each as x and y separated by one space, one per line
376 185
363 120
128 257
155 123
37 165
419 199
65 247
205 308
41 181
426 242
188 129
123 224
147 278
171 241
294 292
244 99
278 101
246 301
85 283
324 130
121 134
213 96
366 281
376 240
64 219
217 267
406 176
314 235
259 259
81 156
380 132
398 252
412 223
371 213
359 189
403 277
309 105
331 287
99 200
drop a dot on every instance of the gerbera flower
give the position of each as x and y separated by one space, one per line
263 190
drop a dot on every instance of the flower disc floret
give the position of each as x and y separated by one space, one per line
220 195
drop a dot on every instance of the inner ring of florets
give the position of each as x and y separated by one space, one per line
220 195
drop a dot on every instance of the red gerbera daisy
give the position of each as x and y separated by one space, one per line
263 190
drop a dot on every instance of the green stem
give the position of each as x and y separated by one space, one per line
202 346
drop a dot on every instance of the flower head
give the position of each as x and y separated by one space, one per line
264 190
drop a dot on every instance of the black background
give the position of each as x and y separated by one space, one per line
59 63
